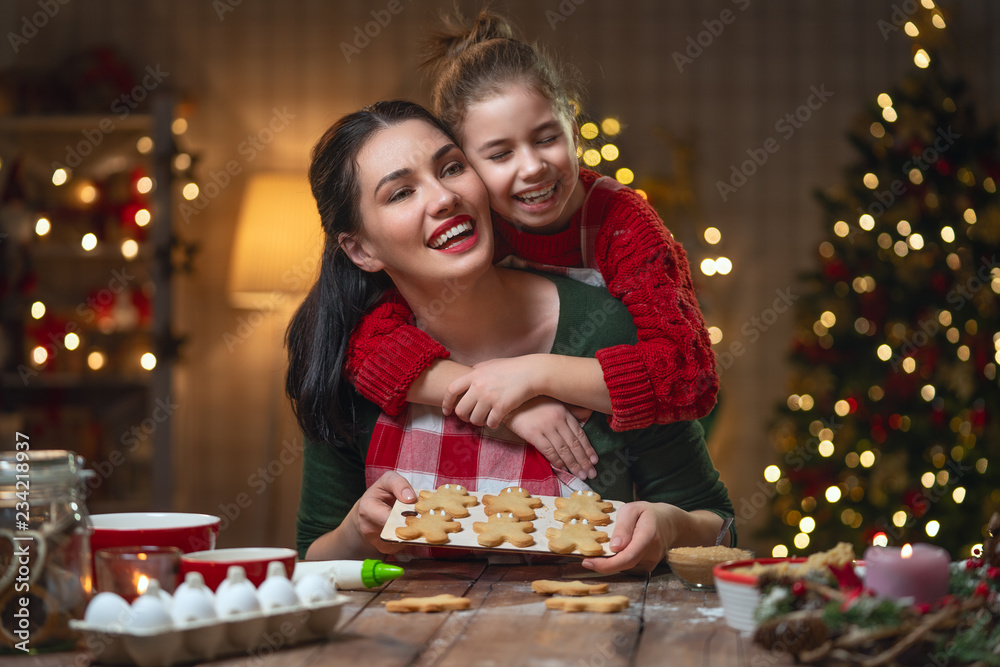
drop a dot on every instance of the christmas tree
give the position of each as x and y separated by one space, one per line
891 431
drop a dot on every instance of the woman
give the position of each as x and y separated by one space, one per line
398 201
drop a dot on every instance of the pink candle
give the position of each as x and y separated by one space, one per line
920 573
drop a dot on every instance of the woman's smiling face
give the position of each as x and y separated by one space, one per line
525 153
424 211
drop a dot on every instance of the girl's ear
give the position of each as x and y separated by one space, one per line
358 254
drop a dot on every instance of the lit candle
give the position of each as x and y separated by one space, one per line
919 572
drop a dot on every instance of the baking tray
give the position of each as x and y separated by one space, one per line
467 538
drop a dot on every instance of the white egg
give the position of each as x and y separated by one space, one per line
193 601
108 610
238 596
277 591
150 612
314 588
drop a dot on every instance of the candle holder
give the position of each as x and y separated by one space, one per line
127 571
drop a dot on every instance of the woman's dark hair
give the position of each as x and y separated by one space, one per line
317 337
471 63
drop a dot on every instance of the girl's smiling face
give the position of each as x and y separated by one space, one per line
424 211
525 153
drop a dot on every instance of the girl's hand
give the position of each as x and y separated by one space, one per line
643 533
372 510
554 430
492 389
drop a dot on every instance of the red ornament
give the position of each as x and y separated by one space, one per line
798 589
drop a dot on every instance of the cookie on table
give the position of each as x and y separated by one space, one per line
513 499
583 505
433 526
500 528
452 498
577 535
602 603
443 602
573 588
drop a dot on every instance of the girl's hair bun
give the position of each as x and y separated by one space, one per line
456 34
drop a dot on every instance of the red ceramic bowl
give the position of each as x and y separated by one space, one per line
214 565
187 532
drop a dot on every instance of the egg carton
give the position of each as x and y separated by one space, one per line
252 634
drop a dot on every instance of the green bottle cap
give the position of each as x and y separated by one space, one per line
375 572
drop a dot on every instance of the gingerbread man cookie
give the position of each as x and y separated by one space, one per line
583 505
452 498
574 588
443 602
433 526
500 528
513 499
602 603
576 535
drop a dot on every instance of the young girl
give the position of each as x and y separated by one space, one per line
388 181
512 115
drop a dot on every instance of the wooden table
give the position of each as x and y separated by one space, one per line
509 625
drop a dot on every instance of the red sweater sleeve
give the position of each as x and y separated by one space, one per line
669 375
386 353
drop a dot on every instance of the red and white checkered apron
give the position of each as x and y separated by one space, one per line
429 450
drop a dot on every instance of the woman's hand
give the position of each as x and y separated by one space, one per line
554 430
372 510
494 388
643 533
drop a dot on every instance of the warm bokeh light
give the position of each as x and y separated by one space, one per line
712 235
932 528
611 126
182 162
89 241
772 473
39 355
889 114
191 190
59 176
179 126
779 551
714 335
144 185
142 217
88 194
880 540
723 265
38 310
870 180
833 494
71 341
148 361
624 176
43 226
609 152
708 266
144 145
591 157
589 130
884 100
130 248
921 59
95 360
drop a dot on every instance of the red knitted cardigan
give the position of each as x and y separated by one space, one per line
667 376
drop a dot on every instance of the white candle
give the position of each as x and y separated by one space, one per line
920 572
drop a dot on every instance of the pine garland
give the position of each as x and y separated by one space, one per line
821 622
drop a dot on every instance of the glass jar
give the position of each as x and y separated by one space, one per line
45 571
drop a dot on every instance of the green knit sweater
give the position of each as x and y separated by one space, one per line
661 463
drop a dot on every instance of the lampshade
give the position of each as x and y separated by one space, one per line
279 241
